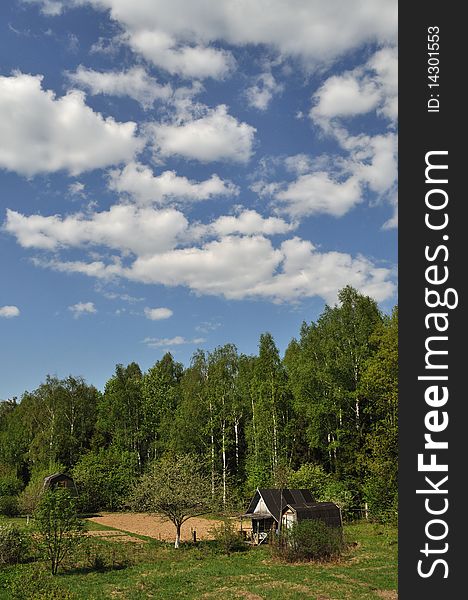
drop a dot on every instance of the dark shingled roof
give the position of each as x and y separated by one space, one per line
276 500
328 512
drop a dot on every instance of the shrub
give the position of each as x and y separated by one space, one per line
10 485
36 584
309 540
58 526
29 498
15 545
227 538
9 506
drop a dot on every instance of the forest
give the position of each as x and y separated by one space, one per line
323 417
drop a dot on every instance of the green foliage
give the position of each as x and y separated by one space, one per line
9 506
10 485
37 585
104 479
227 537
309 540
15 545
29 498
59 528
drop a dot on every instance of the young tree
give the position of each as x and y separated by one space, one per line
175 487
58 526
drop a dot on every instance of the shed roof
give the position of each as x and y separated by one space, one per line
276 500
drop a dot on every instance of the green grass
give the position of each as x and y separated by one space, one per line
368 568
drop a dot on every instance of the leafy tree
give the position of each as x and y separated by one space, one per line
60 530
161 393
120 412
104 478
176 487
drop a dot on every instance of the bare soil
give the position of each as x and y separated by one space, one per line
156 526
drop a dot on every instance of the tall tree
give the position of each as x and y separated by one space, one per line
120 412
160 387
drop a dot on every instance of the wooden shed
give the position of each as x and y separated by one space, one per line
269 507
60 480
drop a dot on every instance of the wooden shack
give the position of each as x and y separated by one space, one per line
269 507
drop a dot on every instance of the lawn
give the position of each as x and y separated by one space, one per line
151 569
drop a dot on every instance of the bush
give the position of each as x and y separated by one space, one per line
309 540
29 498
15 545
36 584
9 506
10 485
227 538
58 526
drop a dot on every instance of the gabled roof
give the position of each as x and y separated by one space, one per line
277 500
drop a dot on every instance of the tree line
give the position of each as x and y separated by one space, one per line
323 416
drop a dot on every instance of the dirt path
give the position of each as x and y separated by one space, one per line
155 526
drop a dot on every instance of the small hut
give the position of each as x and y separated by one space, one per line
60 481
269 507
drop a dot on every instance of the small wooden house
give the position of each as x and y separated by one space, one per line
60 480
269 507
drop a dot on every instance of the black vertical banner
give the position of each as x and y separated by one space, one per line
432 306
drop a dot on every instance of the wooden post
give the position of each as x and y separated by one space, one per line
194 536
366 511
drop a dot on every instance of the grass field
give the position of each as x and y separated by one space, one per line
150 569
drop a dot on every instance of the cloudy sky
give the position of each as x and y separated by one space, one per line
178 175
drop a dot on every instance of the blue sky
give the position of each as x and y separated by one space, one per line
179 175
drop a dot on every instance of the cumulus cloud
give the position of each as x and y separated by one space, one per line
240 267
8 312
143 187
134 83
124 228
216 136
247 222
370 87
82 308
157 314
178 340
40 133
317 193
190 61
301 28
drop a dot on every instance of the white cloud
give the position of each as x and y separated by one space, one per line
41 133
240 267
216 136
302 28
261 93
124 228
157 314
317 193
8 312
82 308
370 87
138 181
248 222
194 61
178 340
134 82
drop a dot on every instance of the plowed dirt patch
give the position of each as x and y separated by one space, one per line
156 526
